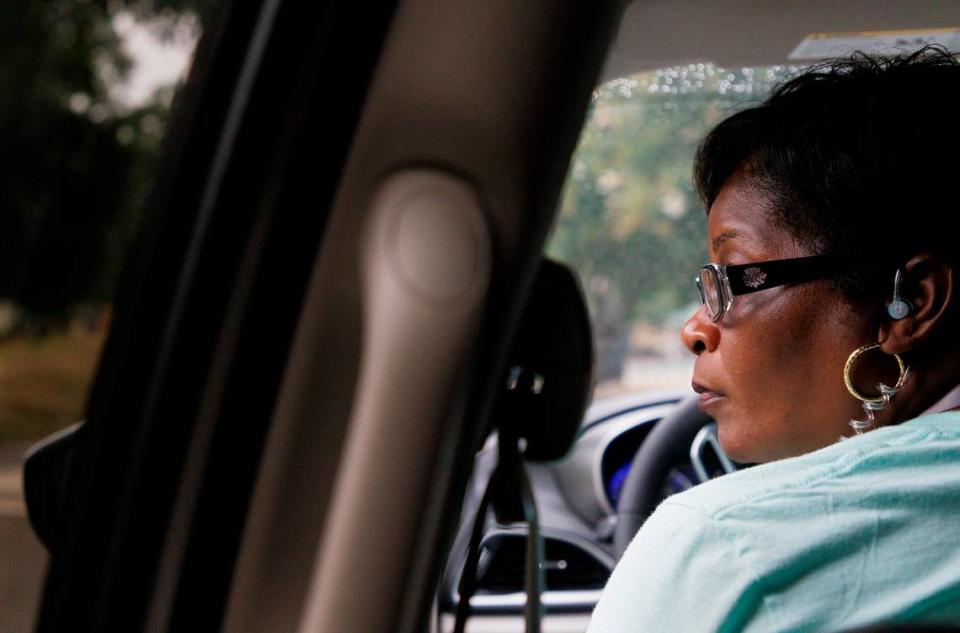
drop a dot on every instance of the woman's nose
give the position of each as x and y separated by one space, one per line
699 333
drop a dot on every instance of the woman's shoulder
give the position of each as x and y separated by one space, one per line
861 531
881 461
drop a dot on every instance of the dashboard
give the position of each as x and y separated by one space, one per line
577 500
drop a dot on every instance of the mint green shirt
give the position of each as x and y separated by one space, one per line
863 531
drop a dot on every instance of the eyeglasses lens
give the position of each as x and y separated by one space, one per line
710 292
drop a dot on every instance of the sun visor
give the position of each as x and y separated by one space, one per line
817 46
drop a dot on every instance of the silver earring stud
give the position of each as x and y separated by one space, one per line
898 307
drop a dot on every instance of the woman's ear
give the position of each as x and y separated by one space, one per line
927 284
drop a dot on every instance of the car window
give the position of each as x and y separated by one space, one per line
630 222
87 89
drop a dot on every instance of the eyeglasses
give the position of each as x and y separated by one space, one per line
719 284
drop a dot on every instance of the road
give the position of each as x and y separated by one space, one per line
23 559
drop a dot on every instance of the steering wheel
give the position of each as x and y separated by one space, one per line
668 444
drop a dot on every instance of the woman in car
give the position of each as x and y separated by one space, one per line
827 351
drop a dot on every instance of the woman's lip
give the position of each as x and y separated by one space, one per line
708 396
709 399
702 389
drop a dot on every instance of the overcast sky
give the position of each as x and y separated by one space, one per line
157 61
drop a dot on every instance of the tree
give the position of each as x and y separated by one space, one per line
72 161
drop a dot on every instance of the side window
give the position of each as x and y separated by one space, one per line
87 89
631 223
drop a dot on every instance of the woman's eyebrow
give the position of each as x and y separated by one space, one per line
723 237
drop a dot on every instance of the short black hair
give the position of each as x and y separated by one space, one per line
860 157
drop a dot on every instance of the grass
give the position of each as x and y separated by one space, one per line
44 381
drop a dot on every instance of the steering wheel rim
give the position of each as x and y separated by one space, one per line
667 444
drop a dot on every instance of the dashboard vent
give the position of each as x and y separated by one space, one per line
567 566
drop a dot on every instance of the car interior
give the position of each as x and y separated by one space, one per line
365 370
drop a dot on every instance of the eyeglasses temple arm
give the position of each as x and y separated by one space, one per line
748 278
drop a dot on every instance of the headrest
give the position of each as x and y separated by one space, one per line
550 369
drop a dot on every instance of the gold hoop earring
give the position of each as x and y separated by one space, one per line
877 403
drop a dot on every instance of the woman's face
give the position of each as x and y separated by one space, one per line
770 371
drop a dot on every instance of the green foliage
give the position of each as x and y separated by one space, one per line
630 222
74 165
